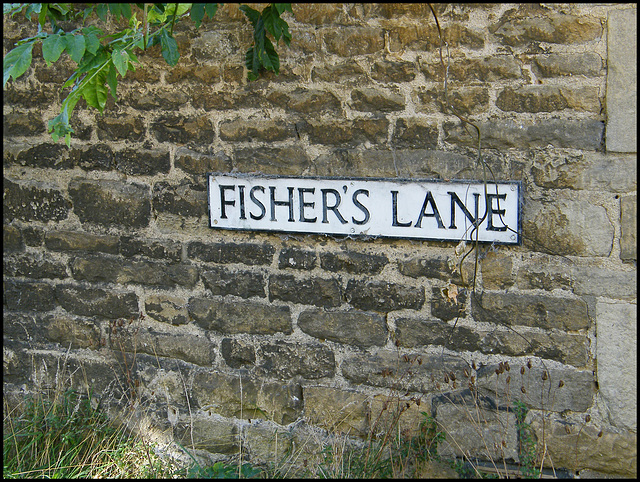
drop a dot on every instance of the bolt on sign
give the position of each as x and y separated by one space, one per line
411 209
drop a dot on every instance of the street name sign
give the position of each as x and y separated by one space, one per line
390 208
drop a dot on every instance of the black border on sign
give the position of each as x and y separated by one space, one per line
518 185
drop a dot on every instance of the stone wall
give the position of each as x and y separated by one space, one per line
114 283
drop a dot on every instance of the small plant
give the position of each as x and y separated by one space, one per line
221 470
526 442
65 437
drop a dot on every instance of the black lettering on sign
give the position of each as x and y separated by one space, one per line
456 200
275 203
257 202
241 192
303 204
224 202
361 207
491 211
394 207
326 208
428 200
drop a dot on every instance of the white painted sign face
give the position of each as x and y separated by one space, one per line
414 209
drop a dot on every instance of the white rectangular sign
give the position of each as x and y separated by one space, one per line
415 209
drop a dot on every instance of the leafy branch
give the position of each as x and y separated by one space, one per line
103 57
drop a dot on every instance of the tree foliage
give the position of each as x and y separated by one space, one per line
104 51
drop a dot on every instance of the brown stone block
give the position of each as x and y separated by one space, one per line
359 328
284 360
247 317
33 200
629 226
588 64
315 291
383 296
375 100
536 310
111 203
343 411
581 447
353 41
525 25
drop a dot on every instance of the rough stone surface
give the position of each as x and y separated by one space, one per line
297 259
150 248
184 199
588 64
493 437
539 387
622 81
220 393
617 361
251 254
586 447
223 282
78 241
315 291
448 303
111 203
339 410
496 271
505 134
542 311
357 328
114 270
629 223
212 433
237 353
590 171
28 296
355 263
33 201
230 317
287 360
567 228
620 285
97 302
383 296
411 372
167 309
29 267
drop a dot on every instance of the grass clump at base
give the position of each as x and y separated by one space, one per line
67 438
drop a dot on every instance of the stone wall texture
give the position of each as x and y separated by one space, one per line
114 283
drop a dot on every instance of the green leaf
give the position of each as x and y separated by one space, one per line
112 80
251 14
270 58
275 25
92 43
94 89
101 11
52 47
16 62
33 8
197 13
11 8
86 12
169 48
121 61
75 46
282 7
114 8
42 16
125 10
211 9
252 62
